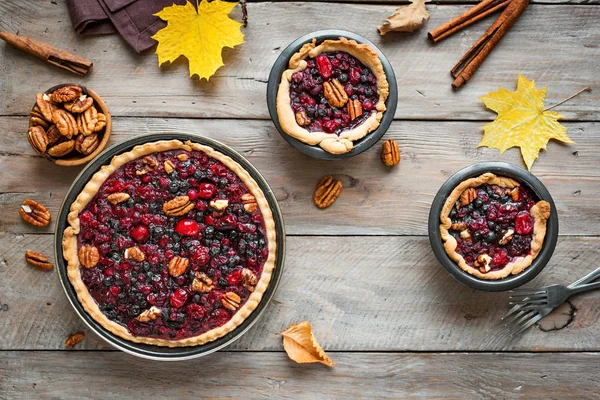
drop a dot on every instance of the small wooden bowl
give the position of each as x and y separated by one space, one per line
71 160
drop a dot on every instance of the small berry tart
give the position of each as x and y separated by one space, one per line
171 244
332 94
492 226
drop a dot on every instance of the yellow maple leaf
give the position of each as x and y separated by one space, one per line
199 35
522 121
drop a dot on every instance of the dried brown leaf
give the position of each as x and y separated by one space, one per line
301 345
406 18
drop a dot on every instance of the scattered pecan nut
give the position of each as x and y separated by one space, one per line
87 144
75 339
149 315
88 256
465 234
483 263
354 109
62 149
231 301
328 190
66 94
302 119
54 135
468 196
135 253
38 260
169 166
249 280
249 202
178 266
149 163
65 122
38 139
45 106
507 237
87 120
390 153
334 93
182 157
202 283
459 226
79 105
179 206
219 205
34 213
117 198
514 194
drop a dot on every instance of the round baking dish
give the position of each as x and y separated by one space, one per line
501 169
361 145
158 352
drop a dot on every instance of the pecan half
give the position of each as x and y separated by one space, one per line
249 280
87 144
149 163
514 193
62 149
37 119
483 263
354 109
334 93
88 256
459 226
79 105
179 206
182 157
38 260
507 237
87 120
135 253
53 135
468 196
38 140
75 339
101 122
65 122
149 315
302 119
117 198
202 283
177 266
390 153
66 93
45 106
169 166
231 301
34 213
328 190
219 204
249 202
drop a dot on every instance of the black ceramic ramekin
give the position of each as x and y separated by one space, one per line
158 352
500 169
281 64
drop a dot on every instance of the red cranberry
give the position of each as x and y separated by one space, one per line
195 311
330 126
114 290
192 194
187 227
140 233
500 258
523 223
306 100
354 75
297 77
324 66
179 297
218 169
234 277
206 190
367 105
163 182
209 220
200 256
226 223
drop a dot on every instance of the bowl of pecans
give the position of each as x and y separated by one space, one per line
69 125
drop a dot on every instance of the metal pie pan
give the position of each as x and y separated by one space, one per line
281 64
500 169
151 351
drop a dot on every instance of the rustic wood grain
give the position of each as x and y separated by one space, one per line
272 375
557 45
360 293
372 193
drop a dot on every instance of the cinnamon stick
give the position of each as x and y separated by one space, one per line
48 53
467 66
472 15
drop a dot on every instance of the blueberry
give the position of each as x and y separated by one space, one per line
322 113
314 71
318 80
134 311
491 225
222 183
369 92
310 111
174 187
364 78
343 78
130 203
477 236
233 235
143 304
196 298
478 203
108 281
183 186
146 266
199 175
223 281
214 251
354 97
324 100
491 237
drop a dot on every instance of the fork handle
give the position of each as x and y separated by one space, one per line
584 288
586 279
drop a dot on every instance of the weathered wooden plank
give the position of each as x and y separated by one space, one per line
554 44
375 199
62 375
360 293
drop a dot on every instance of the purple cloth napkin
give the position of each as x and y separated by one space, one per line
132 19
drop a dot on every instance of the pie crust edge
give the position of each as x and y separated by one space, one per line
91 188
330 142
540 213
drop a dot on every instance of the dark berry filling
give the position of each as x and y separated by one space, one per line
217 243
497 224
313 110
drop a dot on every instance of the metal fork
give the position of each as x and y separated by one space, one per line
531 305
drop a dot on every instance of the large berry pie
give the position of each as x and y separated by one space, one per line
332 94
492 226
171 244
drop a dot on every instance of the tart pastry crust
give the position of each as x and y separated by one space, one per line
92 187
331 142
540 213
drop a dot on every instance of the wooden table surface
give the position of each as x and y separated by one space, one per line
362 272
